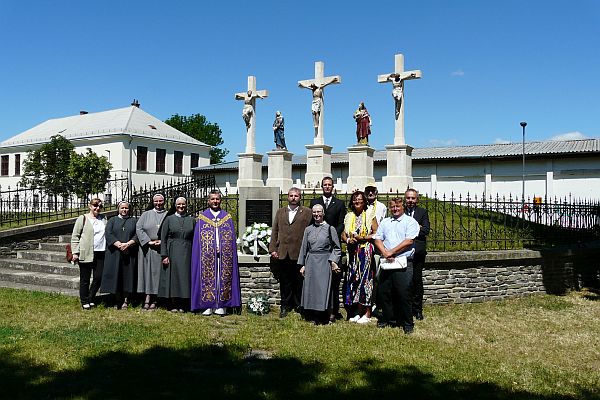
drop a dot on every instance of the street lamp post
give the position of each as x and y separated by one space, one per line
523 125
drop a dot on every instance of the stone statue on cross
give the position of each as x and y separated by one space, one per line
317 85
249 111
249 103
397 79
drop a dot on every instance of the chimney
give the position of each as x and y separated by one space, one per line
82 112
135 103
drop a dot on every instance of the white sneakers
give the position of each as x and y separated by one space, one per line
360 320
216 311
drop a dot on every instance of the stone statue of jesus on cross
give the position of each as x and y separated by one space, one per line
317 85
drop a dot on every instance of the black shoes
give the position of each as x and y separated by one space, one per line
283 313
419 315
408 330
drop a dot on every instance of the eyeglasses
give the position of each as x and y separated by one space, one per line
97 205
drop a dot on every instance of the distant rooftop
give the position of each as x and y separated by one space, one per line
459 152
128 120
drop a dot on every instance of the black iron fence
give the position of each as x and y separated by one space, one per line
29 206
466 222
458 222
194 188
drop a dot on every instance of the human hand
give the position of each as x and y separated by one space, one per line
274 255
302 270
165 261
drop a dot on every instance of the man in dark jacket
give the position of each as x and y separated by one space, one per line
411 198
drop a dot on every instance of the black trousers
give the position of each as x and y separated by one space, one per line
86 271
395 296
290 284
334 302
418 265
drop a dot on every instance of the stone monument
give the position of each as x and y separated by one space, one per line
318 154
250 163
399 154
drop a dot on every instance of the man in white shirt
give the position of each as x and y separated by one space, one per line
395 241
379 208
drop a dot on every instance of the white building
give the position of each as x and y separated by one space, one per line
552 169
135 142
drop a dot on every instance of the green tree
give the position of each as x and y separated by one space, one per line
48 167
89 173
200 129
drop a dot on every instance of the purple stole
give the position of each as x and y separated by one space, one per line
215 276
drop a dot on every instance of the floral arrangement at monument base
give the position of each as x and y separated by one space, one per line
256 239
258 305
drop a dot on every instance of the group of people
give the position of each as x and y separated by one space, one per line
384 257
190 263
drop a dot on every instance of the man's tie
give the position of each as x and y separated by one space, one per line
326 203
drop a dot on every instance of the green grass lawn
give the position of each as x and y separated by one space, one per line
539 347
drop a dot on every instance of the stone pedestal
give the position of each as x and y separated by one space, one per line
318 164
360 167
250 170
399 169
256 204
280 169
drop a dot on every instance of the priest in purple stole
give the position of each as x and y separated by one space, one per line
215 273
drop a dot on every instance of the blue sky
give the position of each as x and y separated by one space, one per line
487 65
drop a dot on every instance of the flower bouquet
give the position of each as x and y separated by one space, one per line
256 239
258 305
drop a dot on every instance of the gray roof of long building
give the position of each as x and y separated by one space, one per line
507 150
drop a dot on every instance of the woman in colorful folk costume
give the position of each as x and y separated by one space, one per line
215 273
359 226
149 260
319 256
120 260
176 235
363 124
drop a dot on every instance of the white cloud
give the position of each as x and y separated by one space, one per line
569 136
501 141
442 142
458 72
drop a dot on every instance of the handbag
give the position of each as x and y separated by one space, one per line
69 249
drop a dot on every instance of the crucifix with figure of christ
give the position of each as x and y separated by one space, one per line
249 111
317 85
397 79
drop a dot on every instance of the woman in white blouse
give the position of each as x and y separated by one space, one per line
88 244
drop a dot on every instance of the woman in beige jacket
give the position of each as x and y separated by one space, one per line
88 244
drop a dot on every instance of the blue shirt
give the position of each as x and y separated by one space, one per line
392 231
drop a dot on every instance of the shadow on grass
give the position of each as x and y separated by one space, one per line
224 372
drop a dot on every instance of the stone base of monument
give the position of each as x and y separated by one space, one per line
250 170
256 204
318 164
280 169
360 167
399 169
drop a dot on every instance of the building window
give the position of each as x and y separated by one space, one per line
178 162
142 158
194 160
4 166
17 164
161 155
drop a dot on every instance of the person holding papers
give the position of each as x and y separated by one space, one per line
395 240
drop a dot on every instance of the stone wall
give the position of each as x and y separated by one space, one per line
469 277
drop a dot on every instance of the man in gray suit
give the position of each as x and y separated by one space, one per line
286 239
